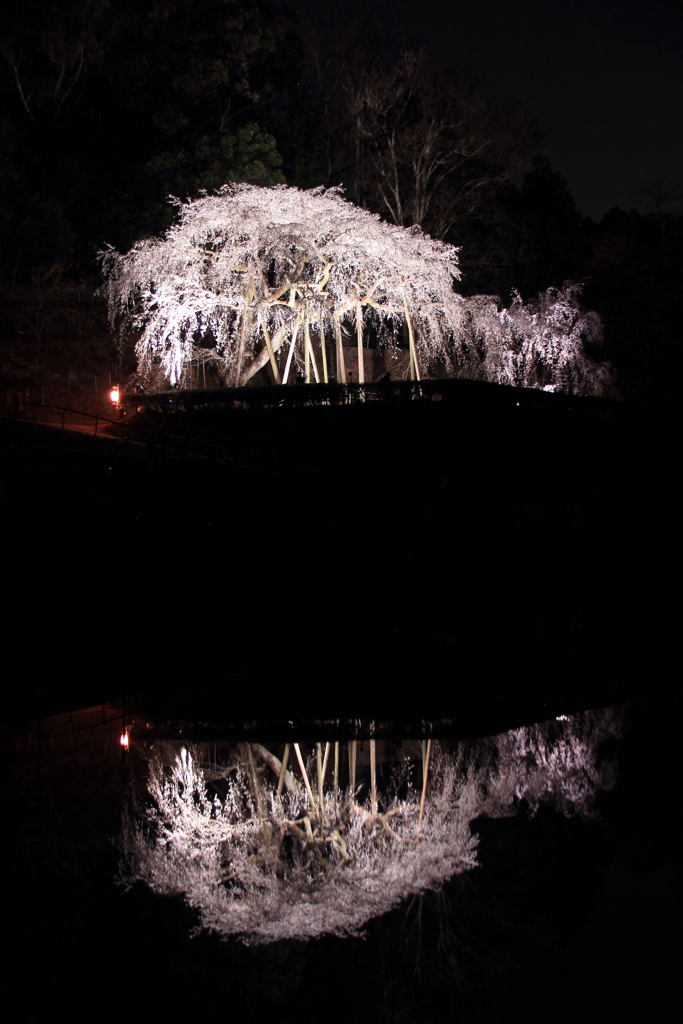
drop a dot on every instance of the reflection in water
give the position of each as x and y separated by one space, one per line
297 858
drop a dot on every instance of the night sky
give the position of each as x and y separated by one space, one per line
603 78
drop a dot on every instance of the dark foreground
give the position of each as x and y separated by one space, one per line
500 556
478 562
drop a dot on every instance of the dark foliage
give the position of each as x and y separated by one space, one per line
634 281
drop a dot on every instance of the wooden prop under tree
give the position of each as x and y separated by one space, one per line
252 273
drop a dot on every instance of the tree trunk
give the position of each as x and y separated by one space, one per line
240 350
288 780
262 358
271 355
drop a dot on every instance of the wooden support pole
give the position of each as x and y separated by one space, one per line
311 356
414 368
307 351
341 367
288 780
323 349
290 354
359 333
271 355
262 358
315 366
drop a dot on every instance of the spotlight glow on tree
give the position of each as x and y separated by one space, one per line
250 270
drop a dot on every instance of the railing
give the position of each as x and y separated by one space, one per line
281 396
394 392
38 416
463 393
156 439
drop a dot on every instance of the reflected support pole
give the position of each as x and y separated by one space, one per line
302 766
283 770
352 766
319 766
325 760
373 777
426 754
336 772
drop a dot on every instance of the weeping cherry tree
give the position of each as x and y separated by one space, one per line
253 276
250 273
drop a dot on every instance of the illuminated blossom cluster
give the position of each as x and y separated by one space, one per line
547 343
555 763
253 276
249 270
264 865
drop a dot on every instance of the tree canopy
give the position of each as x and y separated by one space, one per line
250 271
251 268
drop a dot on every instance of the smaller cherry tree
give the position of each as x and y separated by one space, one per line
550 342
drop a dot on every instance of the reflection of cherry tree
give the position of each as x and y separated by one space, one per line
301 857
249 271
